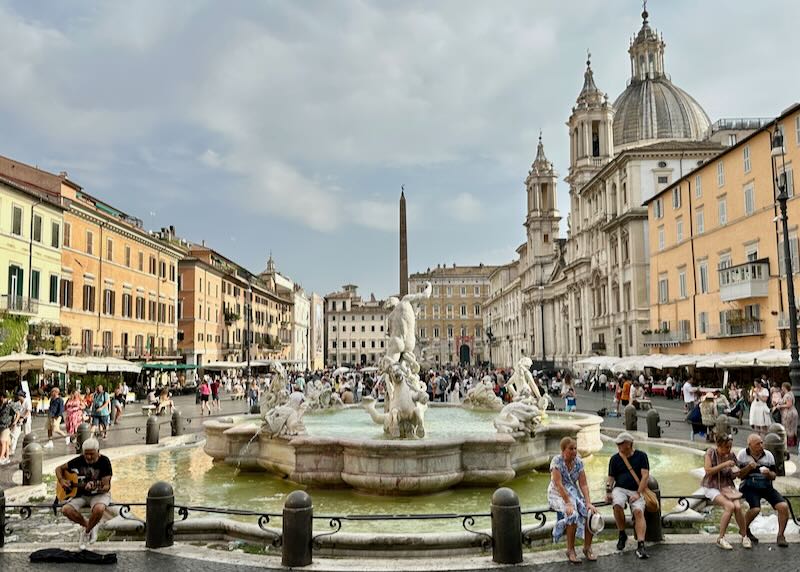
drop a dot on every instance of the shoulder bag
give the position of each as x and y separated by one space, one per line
650 499
729 493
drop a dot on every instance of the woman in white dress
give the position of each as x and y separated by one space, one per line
760 417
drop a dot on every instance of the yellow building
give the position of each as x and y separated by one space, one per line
118 285
717 280
31 222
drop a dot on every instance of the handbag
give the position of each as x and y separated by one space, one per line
651 503
729 493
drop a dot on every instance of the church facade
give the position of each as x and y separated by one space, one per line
588 293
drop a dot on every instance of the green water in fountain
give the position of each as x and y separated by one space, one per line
198 481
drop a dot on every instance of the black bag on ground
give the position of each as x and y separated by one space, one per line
83 557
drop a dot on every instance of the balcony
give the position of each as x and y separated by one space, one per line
737 328
231 347
748 280
598 346
22 305
666 339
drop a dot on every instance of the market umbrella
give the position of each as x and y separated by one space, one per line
22 362
340 370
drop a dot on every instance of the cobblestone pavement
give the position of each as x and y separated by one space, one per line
663 558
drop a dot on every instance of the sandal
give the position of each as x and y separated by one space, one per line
572 557
590 556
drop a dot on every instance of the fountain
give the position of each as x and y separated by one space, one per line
466 448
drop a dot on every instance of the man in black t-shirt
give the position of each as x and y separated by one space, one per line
622 489
93 472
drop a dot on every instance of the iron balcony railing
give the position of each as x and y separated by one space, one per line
748 280
733 329
667 338
19 304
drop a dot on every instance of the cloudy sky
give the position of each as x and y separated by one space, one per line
290 126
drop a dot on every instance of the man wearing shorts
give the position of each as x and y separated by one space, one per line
757 471
93 471
101 404
622 489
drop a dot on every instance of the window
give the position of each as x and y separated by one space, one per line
793 251
435 332
698 186
449 331
53 289
797 129
89 242
679 230
477 290
788 180
436 311
108 302
109 249
700 221
127 305
152 268
663 289
749 200
139 308
66 293
463 291
732 139
702 270
724 261
682 282
702 322
463 310
658 208
37 228
88 298
477 310
55 232
16 221
422 333
722 211
141 261
449 291
128 256
34 284
720 174
86 341
449 310
746 158
67 234
676 197
661 237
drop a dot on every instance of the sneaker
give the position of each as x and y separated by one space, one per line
642 553
93 535
746 542
782 541
48 445
623 538
724 544
752 537
82 539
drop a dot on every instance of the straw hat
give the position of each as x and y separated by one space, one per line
596 523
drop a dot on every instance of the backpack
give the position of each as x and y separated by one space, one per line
7 415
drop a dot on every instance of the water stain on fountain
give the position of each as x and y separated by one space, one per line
407 460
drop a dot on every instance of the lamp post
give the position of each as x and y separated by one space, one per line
248 304
490 337
783 197
541 310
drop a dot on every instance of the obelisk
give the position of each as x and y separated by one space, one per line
403 245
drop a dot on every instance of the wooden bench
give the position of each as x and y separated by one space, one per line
148 409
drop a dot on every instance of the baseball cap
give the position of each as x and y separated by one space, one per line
624 436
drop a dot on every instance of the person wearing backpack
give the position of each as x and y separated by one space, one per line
7 419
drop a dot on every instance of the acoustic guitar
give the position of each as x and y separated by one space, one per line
65 494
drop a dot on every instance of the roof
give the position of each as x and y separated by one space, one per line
454 271
33 190
787 112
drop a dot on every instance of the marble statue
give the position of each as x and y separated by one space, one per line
406 399
404 406
482 396
522 378
276 393
402 324
286 420
518 416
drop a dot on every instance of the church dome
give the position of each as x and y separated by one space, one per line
655 108
652 107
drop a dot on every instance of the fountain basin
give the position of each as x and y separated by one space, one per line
398 467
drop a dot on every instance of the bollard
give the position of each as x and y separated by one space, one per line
723 425
82 433
631 420
775 445
160 516
152 431
298 512
28 439
779 430
653 533
2 518
177 423
653 420
31 464
506 527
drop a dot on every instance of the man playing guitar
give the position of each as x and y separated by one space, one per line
87 479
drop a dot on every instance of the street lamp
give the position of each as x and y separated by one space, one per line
783 196
490 337
248 305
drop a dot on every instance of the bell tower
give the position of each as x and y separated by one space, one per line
543 216
591 131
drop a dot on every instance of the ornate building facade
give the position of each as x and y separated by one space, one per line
588 293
